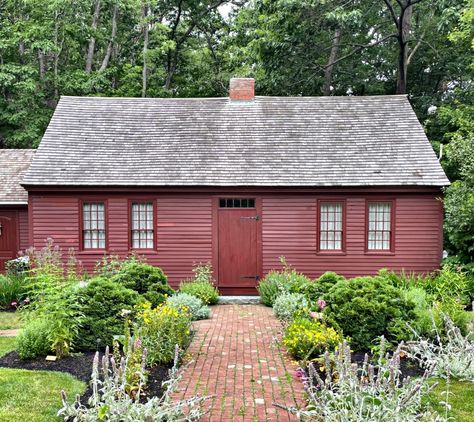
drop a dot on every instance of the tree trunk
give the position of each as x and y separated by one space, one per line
145 49
330 66
404 27
41 65
113 34
90 50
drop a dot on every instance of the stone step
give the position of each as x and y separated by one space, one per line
239 300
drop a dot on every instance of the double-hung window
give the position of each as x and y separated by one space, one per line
379 222
93 225
142 227
331 226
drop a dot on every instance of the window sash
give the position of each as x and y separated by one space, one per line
93 225
379 231
142 228
330 226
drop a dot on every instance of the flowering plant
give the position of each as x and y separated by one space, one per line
161 329
306 338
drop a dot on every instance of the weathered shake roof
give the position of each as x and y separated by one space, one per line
13 164
271 141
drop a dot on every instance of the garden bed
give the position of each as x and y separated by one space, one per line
80 366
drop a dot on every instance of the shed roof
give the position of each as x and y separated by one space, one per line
13 164
271 141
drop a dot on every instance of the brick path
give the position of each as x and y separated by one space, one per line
237 357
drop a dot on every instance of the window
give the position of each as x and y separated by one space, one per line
330 226
237 203
93 225
379 234
142 225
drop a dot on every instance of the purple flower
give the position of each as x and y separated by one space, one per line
321 304
300 373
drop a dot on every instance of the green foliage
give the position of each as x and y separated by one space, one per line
276 283
145 279
161 330
314 290
202 286
104 303
306 339
12 290
288 306
193 305
33 340
366 308
52 288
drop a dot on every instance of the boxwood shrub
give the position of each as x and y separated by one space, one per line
103 303
366 308
149 281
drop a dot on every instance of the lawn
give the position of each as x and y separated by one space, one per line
32 395
9 320
461 398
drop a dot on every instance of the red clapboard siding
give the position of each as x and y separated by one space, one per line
185 231
24 241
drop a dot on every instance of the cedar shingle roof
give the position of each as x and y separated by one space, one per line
273 141
13 164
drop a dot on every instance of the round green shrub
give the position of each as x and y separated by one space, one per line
316 289
195 306
203 290
103 304
288 306
366 308
33 341
306 339
145 279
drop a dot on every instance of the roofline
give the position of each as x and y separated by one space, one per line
321 97
13 203
244 189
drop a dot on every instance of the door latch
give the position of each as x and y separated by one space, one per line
254 277
1 227
256 218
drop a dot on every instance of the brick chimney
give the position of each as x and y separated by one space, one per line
242 89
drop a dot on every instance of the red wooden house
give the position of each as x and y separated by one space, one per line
13 203
348 184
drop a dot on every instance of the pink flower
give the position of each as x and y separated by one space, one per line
313 314
14 304
321 304
27 300
138 343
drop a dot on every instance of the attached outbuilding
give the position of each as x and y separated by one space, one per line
13 203
345 184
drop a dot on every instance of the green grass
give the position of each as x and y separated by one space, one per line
7 344
461 398
34 395
9 320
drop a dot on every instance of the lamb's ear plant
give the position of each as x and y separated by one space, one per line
451 352
370 392
111 402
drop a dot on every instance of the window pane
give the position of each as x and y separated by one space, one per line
93 225
330 226
379 226
142 226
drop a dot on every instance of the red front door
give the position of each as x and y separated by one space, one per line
239 226
8 237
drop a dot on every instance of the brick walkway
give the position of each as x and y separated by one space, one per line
237 357
9 333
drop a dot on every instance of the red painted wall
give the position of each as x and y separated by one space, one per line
185 231
20 213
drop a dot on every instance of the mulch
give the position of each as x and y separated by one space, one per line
80 366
